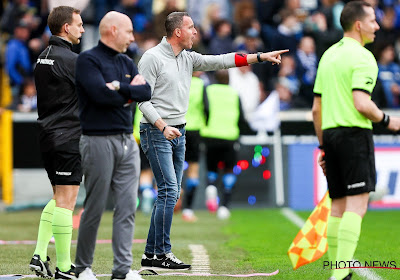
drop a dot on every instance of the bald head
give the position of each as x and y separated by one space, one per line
116 31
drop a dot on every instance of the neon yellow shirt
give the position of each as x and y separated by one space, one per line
344 67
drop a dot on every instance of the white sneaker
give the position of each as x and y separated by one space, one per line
87 274
131 275
188 215
223 213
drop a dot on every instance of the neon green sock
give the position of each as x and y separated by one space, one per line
45 231
62 231
332 235
348 235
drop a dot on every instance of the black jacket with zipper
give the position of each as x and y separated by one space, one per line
57 99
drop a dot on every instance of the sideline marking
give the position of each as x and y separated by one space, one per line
201 260
33 242
298 221
153 272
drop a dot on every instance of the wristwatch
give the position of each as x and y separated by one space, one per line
116 84
259 57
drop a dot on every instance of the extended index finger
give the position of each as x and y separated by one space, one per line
279 52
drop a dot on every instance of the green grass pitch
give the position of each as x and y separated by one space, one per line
252 241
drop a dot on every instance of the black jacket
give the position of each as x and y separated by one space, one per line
104 111
57 100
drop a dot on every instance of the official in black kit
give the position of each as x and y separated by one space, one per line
59 133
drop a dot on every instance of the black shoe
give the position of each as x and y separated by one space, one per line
40 267
147 261
169 261
70 274
348 277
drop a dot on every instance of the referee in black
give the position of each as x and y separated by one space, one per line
59 132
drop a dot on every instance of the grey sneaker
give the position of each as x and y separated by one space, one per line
41 268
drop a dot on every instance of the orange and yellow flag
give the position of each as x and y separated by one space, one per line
310 243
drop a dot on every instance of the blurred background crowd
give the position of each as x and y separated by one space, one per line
305 27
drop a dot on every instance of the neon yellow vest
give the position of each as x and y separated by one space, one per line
136 124
195 114
223 113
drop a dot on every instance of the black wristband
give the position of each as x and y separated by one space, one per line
320 147
385 120
164 128
259 57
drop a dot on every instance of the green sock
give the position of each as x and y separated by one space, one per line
332 235
348 235
62 231
45 231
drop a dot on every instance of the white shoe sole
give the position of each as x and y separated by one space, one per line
39 272
156 268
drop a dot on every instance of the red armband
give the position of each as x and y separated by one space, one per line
240 59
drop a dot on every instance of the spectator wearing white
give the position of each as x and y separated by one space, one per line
246 83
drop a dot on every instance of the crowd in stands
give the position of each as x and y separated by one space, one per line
305 27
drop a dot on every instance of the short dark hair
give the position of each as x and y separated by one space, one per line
59 16
174 20
220 23
353 11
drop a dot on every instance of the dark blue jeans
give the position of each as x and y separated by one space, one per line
166 159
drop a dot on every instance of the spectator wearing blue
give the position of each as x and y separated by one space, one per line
267 12
222 41
389 75
136 11
306 68
18 63
288 33
387 33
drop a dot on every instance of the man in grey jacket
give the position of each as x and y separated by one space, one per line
168 69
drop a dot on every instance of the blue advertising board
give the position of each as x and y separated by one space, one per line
307 184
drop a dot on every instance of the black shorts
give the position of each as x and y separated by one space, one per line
350 161
220 151
63 164
192 146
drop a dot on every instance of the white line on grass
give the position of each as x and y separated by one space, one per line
298 221
201 260
293 217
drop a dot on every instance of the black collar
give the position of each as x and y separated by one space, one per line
107 49
58 41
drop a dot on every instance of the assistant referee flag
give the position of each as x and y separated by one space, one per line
310 243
